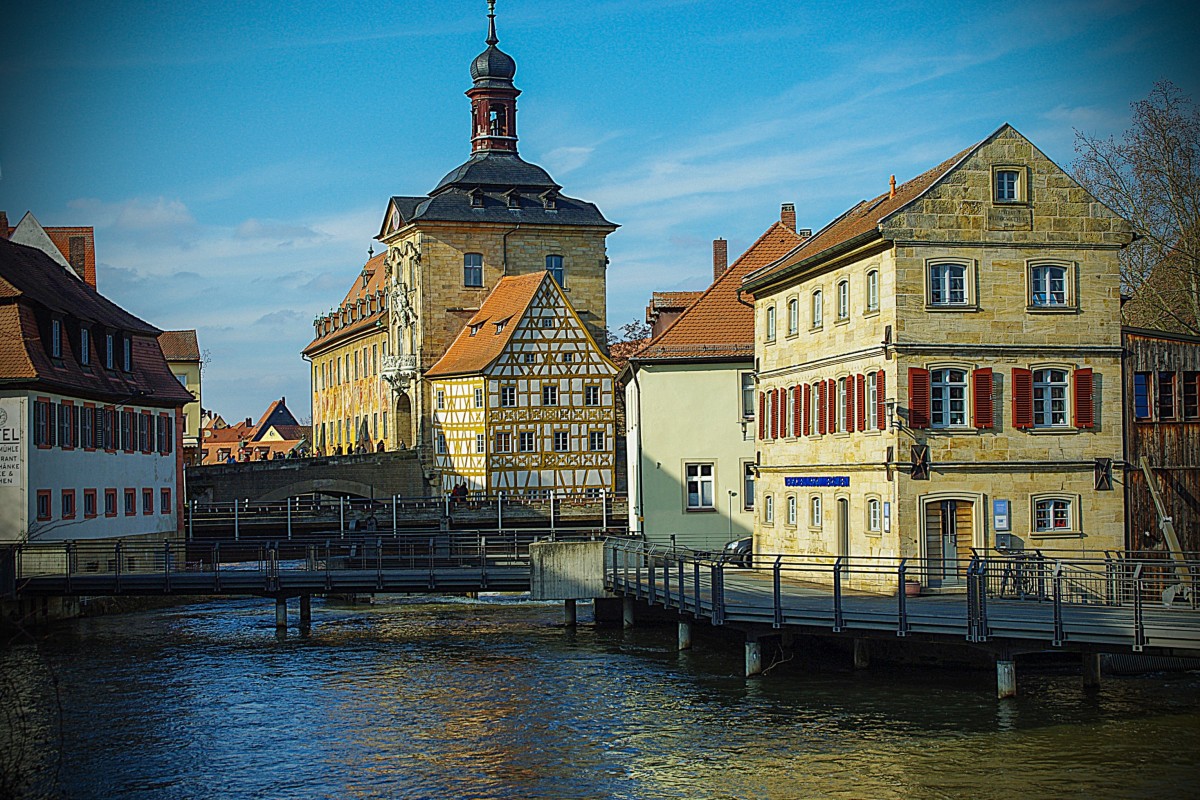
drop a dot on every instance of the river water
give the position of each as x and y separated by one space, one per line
460 699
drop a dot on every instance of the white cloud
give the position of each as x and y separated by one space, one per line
135 214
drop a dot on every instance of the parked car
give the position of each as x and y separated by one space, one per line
738 552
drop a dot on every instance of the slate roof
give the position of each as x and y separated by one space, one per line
276 415
179 345
507 303
33 286
859 221
717 325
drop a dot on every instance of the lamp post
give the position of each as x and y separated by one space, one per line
732 494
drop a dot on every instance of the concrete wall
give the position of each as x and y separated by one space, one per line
566 570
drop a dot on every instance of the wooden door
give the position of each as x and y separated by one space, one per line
949 537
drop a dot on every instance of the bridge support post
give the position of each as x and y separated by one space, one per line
685 634
627 612
753 657
235 520
280 614
1006 678
569 613
305 611
862 653
1091 672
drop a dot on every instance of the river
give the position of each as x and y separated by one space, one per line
495 699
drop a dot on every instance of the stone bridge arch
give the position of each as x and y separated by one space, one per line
365 475
331 486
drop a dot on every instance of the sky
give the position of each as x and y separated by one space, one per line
236 158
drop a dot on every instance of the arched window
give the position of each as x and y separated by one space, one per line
771 323
873 290
947 284
948 398
843 299
874 517
768 508
814 511
817 311
1053 514
793 316
1048 286
791 509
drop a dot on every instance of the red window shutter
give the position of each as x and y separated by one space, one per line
981 398
861 389
822 416
850 403
918 397
1022 398
806 395
762 415
774 414
1084 384
880 402
797 410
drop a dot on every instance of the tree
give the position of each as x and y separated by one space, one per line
632 331
1151 177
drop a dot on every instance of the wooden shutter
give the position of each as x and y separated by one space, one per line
880 402
806 419
918 397
981 398
849 402
822 416
861 389
762 415
797 410
1022 398
774 414
1084 384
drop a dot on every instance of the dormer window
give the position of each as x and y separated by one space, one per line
108 351
128 353
85 346
549 200
513 197
56 338
477 198
500 325
475 328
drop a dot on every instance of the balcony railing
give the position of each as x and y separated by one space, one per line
400 369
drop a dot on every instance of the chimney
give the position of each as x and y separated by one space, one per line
3 225
720 257
787 216
249 422
892 187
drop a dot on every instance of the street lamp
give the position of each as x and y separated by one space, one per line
732 494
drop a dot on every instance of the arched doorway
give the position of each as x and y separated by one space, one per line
403 436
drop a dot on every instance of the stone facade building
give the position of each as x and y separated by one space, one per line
939 369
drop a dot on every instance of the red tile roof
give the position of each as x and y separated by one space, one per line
376 281
507 302
179 345
718 325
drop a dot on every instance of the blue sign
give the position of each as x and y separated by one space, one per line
836 480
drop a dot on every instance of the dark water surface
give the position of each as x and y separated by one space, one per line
497 700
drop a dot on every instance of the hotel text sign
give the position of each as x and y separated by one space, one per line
11 457
834 480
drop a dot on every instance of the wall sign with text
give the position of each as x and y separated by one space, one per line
835 480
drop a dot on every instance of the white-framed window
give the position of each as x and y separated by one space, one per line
768 509
947 398
793 307
1054 515
441 397
818 309
508 396
550 395
843 300
1050 387
839 401
591 395
948 284
1049 286
596 441
872 400
748 486
473 269
479 397
441 443
554 265
562 441
874 515
480 440
771 323
526 442
1008 184
547 322
791 509
815 518
872 290
529 358
568 358
700 483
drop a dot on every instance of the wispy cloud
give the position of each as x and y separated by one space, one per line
137 214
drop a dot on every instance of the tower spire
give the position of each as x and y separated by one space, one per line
492 38
493 96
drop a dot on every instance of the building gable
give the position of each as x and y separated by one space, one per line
549 340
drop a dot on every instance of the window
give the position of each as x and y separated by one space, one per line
591 395
526 442
375 426
947 284
56 338
1009 184
748 485
1191 395
441 443
547 322
1048 286
85 347
748 395
874 515
164 501
818 312
529 358
108 351
814 512
1166 395
699 486
503 442
43 505
770 323
385 428
839 403
595 441
568 358
480 443
473 269
110 502
479 397
791 509
1141 395
843 300
948 398
872 401
549 395
562 442
508 396
441 398
873 291
554 265
147 501
1052 515
1049 398
793 307
68 504
768 509
127 347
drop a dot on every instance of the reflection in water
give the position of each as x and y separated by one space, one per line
494 700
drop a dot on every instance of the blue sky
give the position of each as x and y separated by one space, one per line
235 158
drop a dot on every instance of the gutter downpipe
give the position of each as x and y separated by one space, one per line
504 248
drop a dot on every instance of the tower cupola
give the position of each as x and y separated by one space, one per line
493 96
